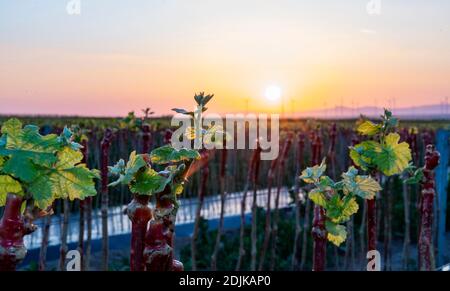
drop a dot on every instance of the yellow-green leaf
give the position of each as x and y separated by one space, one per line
337 239
317 197
8 185
26 148
369 128
167 154
67 178
367 187
350 208
363 186
337 234
178 189
67 158
393 157
146 182
127 172
12 126
364 153
312 174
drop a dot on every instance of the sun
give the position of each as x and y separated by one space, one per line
273 93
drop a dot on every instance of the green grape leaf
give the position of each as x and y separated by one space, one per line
167 154
26 148
363 154
416 177
42 190
317 197
8 185
67 178
12 127
393 157
67 158
388 120
147 182
312 174
21 168
126 175
350 206
365 187
326 182
368 128
2 142
118 168
351 173
337 234
392 122
66 139
334 208
340 210
171 173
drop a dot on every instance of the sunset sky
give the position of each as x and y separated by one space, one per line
118 56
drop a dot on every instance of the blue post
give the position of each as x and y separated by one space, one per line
442 146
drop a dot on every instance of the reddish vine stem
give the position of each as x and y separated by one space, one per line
13 228
167 137
139 213
158 251
82 208
298 228
104 160
371 206
426 139
280 176
371 224
406 202
222 173
268 227
88 210
387 227
320 239
331 155
319 232
201 198
251 168
363 226
349 261
306 221
254 238
122 149
412 140
426 257
146 139
44 245
64 232
332 150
